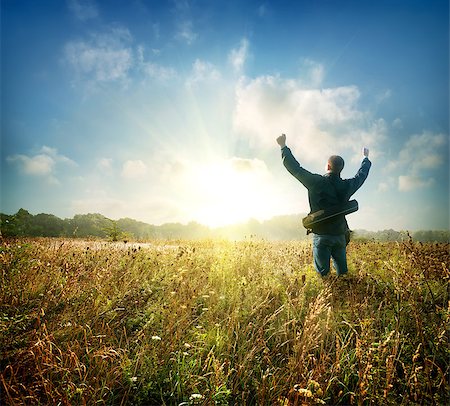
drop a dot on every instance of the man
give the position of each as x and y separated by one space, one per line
325 191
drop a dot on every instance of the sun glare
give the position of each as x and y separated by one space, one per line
227 192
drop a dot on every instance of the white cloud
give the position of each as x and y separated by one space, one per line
421 154
41 164
105 165
104 57
423 151
83 9
133 169
159 72
186 33
383 187
152 69
317 122
248 165
238 57
313 72
408 183
203 71
384 95
53 152
397 123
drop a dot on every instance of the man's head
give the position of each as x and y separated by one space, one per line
335 164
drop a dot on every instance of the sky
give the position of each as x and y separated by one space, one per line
168 111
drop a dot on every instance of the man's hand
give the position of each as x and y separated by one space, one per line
281 140
365 152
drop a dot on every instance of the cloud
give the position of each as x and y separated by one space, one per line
247 165
53 152
105 165
384 95
105 57
316 121
39 165
156 71
152 69
186 33
83 9
423 151
313 73
238 57
397 123
408 183
42 164
203 71
134 169
383 187
420 154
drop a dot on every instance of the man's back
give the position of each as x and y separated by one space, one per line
325 191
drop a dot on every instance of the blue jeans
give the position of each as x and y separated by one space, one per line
326 247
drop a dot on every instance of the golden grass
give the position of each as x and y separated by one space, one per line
219 322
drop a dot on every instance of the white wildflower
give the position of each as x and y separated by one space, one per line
195 397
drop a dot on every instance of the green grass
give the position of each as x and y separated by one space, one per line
221 323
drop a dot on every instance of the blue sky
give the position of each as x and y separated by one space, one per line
167 111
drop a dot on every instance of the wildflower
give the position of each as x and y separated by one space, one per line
156 338
187 345
314 384
185 353
303 392
195 397
134 379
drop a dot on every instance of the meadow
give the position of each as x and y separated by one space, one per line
221 323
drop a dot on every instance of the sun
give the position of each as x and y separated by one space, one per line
229 191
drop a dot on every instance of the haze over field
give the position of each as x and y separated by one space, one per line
168 111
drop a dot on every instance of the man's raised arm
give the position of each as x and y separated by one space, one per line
292 165
362 173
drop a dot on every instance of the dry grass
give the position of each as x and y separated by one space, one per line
217 322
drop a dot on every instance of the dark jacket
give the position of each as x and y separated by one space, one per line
326 190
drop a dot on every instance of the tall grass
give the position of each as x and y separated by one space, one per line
218 323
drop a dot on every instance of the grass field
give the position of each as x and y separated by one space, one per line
218 323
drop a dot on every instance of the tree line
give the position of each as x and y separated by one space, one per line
288 227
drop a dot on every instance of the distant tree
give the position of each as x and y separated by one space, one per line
22 221
92 224
113 232
8 225
46 225
431 236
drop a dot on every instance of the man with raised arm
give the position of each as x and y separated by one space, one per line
325 191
